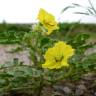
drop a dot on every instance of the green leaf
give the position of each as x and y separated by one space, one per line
5 74
83 13
2 82
78 5
44 41
24 71
66 8
90 11
79 40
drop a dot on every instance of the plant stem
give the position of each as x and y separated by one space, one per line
40 87
92 6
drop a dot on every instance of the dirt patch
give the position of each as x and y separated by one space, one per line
6 56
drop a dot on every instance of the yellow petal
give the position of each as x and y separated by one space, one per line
48 21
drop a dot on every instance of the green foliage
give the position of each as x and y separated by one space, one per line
16 77
13 33
81 63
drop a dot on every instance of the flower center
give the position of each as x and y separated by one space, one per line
58 59
47 22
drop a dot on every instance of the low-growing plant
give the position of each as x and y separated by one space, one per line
52 59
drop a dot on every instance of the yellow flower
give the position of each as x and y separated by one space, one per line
48 21
57 56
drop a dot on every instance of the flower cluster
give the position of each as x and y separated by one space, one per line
57 56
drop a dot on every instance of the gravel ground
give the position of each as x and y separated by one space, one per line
84 87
